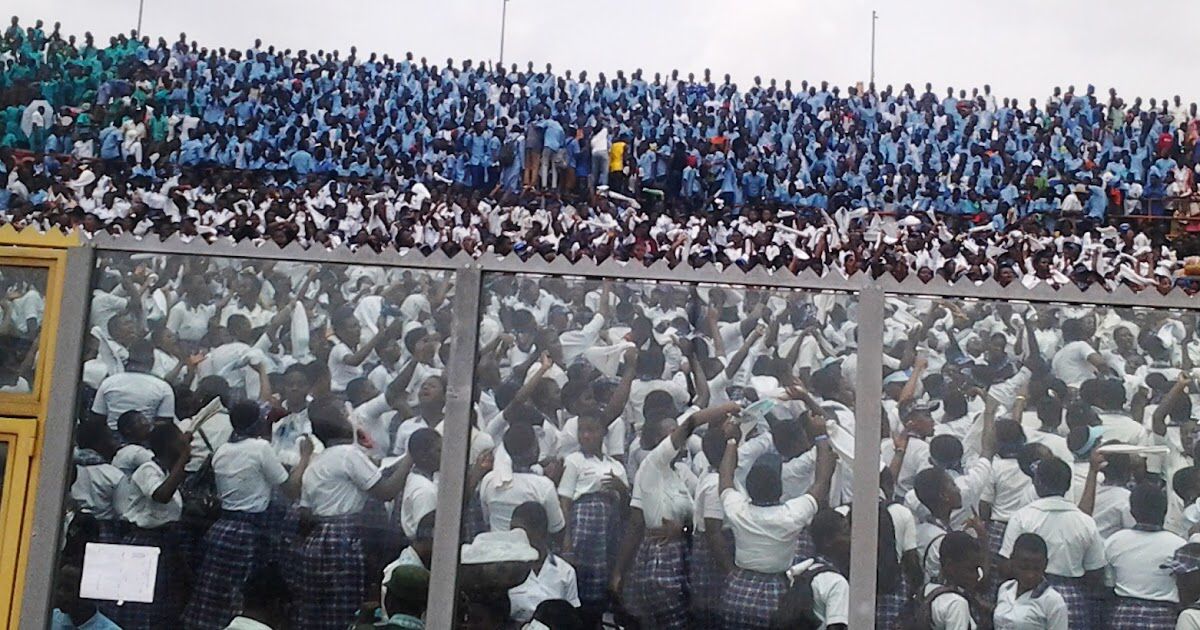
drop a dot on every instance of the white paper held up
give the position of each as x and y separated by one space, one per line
119 573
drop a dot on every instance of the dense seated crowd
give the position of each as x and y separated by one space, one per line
323 149
642 455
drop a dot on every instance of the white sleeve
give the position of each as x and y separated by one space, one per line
834 590
566 485
361 471
953 614
554 513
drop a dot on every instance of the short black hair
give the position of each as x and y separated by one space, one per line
1030 543
928 485
533 516
763 483
946 450
1148 504
244 416
958 546
1052 478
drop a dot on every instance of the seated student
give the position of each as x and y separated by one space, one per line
72 612
1186 485
557 614
551 576
1184 565
266 601
1147 599
1028 602
819 595
1076 551
406 594
133 428
765 531
419 552
594 492
952 602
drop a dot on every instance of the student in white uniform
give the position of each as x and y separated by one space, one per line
1147 598
499 496
155 506
653 549
135 389
818 595
711 561
953 602
765 531
420 490
1028 601
1185 567
593 492
330 566
96 480
1076 551
551 577
247 471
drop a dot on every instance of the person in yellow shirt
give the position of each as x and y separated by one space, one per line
617 175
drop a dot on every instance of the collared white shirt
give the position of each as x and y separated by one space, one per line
130 457
707 503
916 459
765 536
420 498
660 489
286 434
905 526
1071 363
143 511
134 391
340 372
1042 608
1010 489
499 498
95 488
949 611
555 579
188 323
337 480
1134 561
1073 543
1111 510
831 594
246 472
583 474
929 534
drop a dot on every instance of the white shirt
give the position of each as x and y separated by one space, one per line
555 579
245 623
1071 363
1010 489
707 503
659 487
1073 543
134 391
765 536
831 594
929 535
1189 619
190 324
583 475
340 372
94 489
499 498
246 472
1042 608
1111 511
916 459
337 480
1134 558
130 457
905 527
420 498
143 511
949 611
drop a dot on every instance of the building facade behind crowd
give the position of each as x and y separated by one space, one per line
171 138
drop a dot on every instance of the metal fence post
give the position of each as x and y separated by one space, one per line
460 372
865 530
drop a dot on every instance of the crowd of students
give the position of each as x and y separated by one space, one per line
162 138
642 455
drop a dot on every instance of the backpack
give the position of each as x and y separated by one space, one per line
201 503
795 608
508 154
920 613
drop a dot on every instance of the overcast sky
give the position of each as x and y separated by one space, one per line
1021 47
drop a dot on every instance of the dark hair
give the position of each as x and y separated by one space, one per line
713 445
533 516
826 523
520 441
958 546
1030 543
1053 478
424 442
328 419
1148 504
125 421
946 450
413 337
559 614
244 416
1010 438
763 483
928 485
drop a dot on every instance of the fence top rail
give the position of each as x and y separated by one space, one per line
659 271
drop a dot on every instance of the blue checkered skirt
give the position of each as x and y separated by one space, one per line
996 537
804 547
656 588
750 599
889 606
1074 592
331 574
706 581
233 548
169 585
473 522
1142 614
595 531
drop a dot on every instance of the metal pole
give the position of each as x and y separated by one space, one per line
141 5
874 18
503 24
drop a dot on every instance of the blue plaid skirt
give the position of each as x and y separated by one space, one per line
169 585
750 599
1142 614
996 537
1079 609
656 588
889 606
706 581
331 574
473 522
804 547
595 536
233 548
